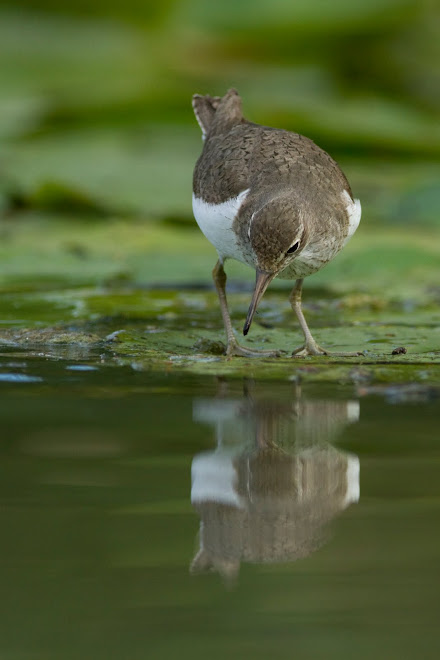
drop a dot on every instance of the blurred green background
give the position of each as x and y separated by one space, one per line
97 147
98 138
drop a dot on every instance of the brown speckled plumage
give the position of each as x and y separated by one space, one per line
293 191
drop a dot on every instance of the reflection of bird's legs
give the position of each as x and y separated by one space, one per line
233 347
248 389
310 347
222 387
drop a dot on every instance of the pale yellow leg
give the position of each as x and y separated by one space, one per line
310 347
233 347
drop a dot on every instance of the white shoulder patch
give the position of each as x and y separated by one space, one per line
354 214
216 220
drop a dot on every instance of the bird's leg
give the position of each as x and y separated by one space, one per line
310 347
233 347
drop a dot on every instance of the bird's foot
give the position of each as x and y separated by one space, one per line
234 349
312 348
308 349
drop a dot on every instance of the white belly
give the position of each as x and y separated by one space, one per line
216 221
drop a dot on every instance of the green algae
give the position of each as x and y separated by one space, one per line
181 331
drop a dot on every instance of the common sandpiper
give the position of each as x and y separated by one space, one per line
271 199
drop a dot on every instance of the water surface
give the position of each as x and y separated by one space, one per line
154 515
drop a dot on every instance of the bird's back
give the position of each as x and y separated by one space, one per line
240 155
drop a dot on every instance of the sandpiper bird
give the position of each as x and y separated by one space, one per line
271 199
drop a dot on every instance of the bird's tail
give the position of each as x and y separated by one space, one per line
205 109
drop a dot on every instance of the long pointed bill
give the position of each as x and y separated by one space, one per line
262 281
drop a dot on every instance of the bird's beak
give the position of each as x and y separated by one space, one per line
262 281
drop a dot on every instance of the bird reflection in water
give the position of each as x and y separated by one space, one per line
268 490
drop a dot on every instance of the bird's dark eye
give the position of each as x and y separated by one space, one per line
293 248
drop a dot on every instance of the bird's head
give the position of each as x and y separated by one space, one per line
277 235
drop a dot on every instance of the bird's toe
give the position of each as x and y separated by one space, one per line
236 350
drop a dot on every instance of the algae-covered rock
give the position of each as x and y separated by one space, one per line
47 337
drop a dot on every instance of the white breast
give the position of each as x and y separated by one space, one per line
216 220
214 478
354 214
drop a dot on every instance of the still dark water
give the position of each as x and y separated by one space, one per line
163 516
